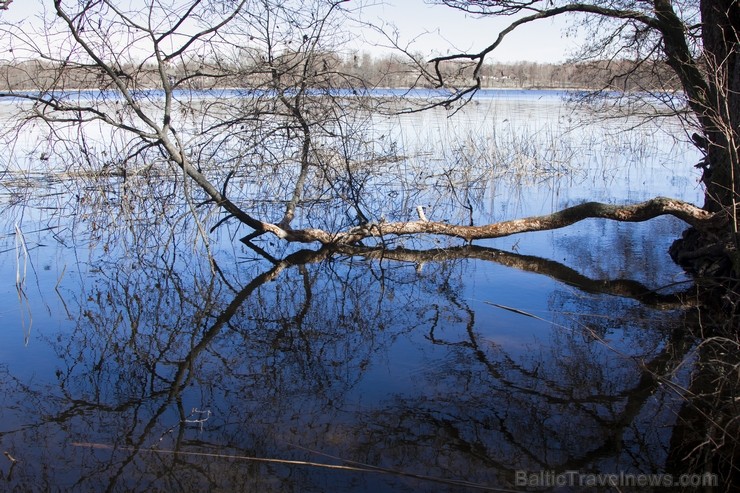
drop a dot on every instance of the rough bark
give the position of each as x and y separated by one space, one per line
643 211
721 111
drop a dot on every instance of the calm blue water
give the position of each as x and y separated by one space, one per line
129 362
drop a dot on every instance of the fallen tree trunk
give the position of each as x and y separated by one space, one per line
659 206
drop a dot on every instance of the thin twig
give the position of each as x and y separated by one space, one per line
364 468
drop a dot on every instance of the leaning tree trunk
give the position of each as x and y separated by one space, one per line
717 106
705 436
721 38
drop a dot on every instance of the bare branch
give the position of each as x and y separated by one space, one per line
542 14
643 211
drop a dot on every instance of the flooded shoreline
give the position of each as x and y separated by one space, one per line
139 354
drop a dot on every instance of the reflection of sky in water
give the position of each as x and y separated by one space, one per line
595 162
409 366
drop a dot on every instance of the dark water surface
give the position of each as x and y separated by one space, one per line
130 362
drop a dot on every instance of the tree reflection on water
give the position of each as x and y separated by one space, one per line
188 372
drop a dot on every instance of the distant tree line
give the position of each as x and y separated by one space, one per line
618 75
349 71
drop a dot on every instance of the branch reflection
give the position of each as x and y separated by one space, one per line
358 354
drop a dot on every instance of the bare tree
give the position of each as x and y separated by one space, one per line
281 124
148 64
698 40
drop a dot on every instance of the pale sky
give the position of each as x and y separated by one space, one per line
451 30
433 30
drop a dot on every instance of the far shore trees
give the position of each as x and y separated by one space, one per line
389 70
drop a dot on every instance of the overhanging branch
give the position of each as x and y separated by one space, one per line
542 14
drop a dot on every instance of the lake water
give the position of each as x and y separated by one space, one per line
131 362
